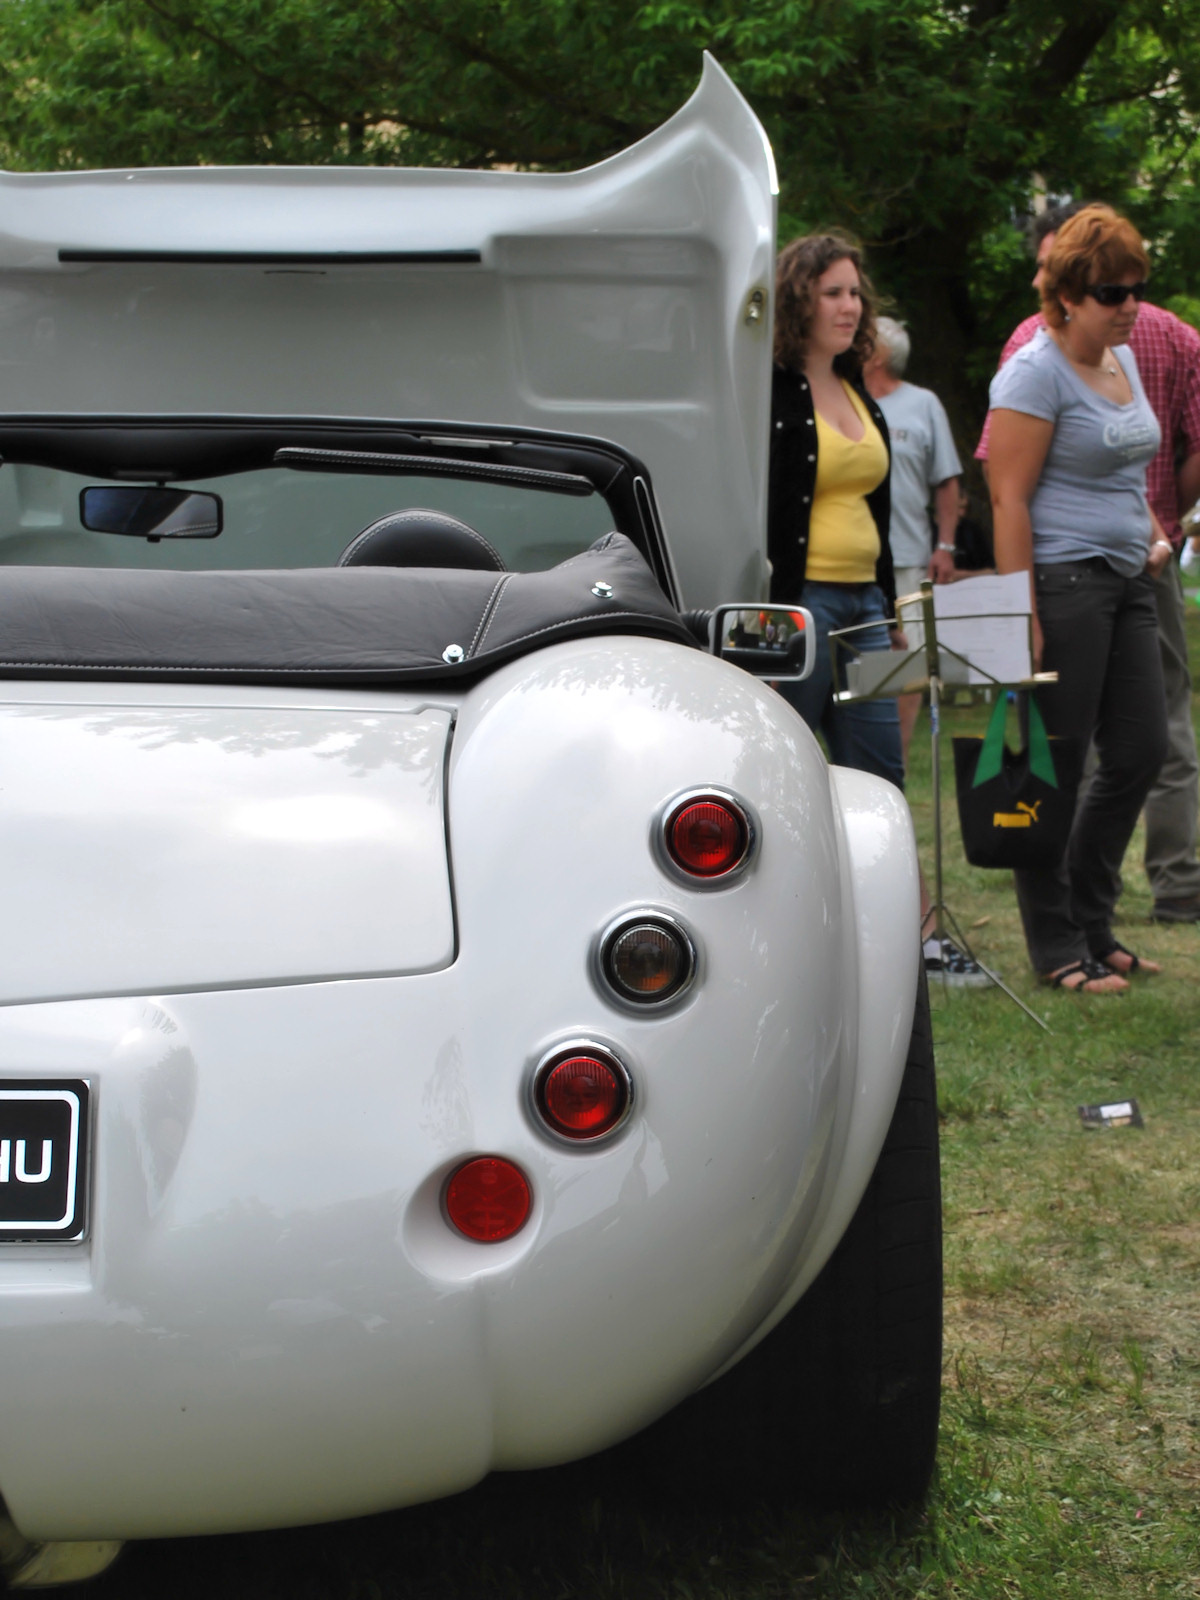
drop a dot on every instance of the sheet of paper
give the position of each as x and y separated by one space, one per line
996 593
982 628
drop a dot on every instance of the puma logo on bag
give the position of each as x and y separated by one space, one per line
1023 817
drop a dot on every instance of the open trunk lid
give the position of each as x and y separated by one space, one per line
629 301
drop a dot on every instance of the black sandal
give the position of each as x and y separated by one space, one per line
1135 965
1094 971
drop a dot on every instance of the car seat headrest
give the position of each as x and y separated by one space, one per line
420 538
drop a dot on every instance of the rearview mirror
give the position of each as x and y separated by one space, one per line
151 512
776 642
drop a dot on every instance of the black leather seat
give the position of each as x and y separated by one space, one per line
421 538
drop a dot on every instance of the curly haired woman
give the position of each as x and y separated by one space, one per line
828 499
829 504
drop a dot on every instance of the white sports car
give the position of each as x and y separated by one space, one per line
451 1016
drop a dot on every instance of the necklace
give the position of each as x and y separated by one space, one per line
1107 362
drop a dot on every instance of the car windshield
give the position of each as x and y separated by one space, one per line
275 516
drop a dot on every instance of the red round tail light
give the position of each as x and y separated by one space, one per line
707 836
488 1199
582 1094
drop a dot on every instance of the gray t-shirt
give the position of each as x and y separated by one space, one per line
923 455
1091 497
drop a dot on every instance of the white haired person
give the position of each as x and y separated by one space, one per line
925 468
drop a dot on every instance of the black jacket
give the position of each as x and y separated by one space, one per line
793 479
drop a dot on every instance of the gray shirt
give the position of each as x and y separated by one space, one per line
923 455
1091 497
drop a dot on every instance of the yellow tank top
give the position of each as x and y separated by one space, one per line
843 541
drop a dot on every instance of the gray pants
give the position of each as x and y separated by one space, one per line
1170 810
1171 863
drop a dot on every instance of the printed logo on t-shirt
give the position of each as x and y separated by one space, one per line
898 433
1130 437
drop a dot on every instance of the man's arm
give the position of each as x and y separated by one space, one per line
945 516
1160 548
1188 479
1186 344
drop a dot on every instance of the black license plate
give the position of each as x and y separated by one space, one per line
44 1143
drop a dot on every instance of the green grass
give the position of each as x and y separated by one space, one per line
1070 1451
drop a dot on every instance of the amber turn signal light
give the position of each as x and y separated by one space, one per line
647 960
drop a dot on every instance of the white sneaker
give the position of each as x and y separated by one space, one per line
948 964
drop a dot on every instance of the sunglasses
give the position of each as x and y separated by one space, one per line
1114 294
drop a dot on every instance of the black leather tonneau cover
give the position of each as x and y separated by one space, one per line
341 625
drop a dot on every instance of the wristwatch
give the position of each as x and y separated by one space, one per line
947 547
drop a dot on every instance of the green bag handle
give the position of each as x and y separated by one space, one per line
991 751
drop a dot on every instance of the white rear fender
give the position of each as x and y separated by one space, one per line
558 770
882 901
880 959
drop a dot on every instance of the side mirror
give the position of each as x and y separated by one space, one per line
151 513
776 642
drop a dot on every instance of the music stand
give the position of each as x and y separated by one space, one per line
884 673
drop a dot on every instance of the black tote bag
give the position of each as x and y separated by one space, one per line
1016 807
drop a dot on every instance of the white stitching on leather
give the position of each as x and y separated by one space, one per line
598 548
421 667
584 616
489 611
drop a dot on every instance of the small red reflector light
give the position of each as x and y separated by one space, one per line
707 838
582 1097
488 1199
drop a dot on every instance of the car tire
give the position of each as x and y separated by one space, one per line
840 1402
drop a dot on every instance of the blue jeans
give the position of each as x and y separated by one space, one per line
864 734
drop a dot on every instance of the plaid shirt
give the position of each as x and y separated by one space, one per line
1167 352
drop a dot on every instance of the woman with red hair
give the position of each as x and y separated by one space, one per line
1072 434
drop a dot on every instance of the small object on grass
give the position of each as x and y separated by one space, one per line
1116 1114
944 960
980 922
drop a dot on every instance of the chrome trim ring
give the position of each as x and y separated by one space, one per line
649 1005
546 1065
662 852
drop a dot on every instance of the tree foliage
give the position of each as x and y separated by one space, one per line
925 126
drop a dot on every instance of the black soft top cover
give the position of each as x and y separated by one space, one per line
336 626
